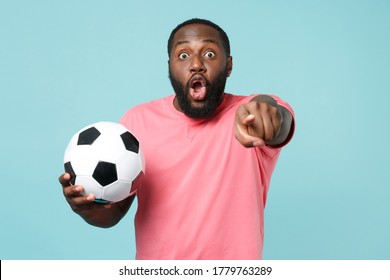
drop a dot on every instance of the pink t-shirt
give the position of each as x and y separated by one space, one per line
203 194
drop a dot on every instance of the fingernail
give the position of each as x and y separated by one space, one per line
90 198
107 205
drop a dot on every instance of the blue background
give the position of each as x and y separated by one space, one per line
66 64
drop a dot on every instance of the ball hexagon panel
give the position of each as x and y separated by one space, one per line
83 159
90 186
117 191
109 127
109 147
128 166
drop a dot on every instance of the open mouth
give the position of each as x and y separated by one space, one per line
198 87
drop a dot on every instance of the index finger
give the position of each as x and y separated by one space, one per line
243 115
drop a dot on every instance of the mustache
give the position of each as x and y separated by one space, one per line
215 93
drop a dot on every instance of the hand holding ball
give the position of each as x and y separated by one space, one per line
107 160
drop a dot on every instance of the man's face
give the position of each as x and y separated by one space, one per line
198 68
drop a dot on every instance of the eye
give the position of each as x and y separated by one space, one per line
209 54
183 55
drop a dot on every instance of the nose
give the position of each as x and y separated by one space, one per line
197 65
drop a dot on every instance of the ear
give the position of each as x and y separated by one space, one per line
229 65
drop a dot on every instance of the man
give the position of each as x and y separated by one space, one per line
209 158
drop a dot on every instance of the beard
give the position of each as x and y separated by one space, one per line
215 91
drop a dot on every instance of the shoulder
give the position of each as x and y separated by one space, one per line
148 109
151 105
234 99
231 102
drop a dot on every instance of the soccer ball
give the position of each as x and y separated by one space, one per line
107 160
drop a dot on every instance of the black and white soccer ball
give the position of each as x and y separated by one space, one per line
107 160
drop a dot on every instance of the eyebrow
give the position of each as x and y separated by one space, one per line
212 41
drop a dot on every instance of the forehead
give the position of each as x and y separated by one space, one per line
193 32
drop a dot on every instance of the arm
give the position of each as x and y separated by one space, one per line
96 214
262 121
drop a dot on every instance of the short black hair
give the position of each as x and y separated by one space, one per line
222 33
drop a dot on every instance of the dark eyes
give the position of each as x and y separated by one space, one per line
183 55
208 54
